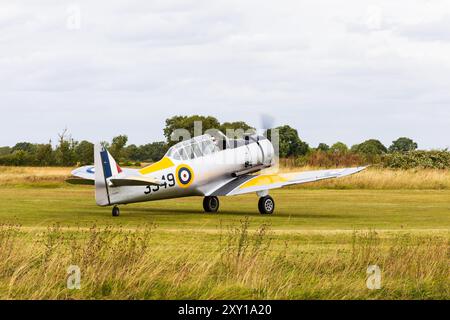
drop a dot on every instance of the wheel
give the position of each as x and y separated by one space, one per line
115 211
266 205
211 204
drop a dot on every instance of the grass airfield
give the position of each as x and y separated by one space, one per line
317 245
297 210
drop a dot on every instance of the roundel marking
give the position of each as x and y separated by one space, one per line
185 176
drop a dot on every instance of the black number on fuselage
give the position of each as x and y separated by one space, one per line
153 188
165 183
171 179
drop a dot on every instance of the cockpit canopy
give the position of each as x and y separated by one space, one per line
207 144
196 147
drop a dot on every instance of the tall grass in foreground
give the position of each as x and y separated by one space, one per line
243 264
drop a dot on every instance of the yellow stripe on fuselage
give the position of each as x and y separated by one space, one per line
263 180
162 164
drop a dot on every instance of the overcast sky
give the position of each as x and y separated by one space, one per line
335 70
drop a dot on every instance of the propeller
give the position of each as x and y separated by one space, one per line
267 121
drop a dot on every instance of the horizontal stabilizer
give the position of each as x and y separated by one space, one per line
134 181
86 172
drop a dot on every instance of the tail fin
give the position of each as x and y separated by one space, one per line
105 168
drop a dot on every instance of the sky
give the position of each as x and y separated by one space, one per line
334 70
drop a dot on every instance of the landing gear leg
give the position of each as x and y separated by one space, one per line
266 205
211 204
115 211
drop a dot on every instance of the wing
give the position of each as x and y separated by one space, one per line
251 183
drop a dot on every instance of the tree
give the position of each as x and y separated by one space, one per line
323 147
64 154
117 147
84 152
153 151
187 123
370 147
132 152
339 147
403 144
290 143
24 146
239 127
5 150
21 158
45 155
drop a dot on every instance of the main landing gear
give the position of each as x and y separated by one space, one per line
115 211
211 204
266 205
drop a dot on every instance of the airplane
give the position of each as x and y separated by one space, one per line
210 165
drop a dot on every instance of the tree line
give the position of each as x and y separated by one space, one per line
69 152
402 153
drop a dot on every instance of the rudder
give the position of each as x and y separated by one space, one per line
105 168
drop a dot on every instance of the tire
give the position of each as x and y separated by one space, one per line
115 212
211 204
266 205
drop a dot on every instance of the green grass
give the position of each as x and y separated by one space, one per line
296 209
317 245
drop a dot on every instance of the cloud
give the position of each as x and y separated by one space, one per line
434 31
335 71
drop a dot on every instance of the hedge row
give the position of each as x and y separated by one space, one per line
417 159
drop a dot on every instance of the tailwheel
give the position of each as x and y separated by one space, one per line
115 211
211 204
266 205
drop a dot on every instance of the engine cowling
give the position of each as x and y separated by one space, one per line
260 154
